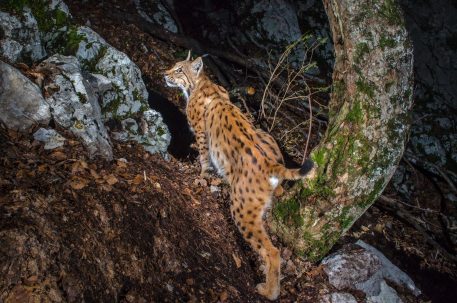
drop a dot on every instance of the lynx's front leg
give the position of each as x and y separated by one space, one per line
202 145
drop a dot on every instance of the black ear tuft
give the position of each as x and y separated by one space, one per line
306 167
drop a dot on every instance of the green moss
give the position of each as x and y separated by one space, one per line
390 11
136 94
365 88
72 41
361 50
318 248
160 131
82 97
61 18
288 212
344 218
113 106
387 42
318 156
91 65
355 115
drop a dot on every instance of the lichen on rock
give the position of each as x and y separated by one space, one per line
20 39
75 106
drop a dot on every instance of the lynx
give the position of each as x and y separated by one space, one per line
247 158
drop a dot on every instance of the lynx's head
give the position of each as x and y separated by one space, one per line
185 74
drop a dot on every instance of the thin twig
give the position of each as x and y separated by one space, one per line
309 130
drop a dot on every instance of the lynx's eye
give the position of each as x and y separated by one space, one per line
179 70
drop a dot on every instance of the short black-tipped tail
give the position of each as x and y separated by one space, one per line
294 173
306 167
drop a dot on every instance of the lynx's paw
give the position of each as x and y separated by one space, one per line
270 294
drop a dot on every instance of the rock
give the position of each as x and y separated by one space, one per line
59 5
345 269
155 12
21 102
390 271
20 38
128 94
338 297
386 295
99 83
51 138
273 25
364 268
278 22
75 106
153 134
117 80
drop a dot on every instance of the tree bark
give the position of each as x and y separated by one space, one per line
368 127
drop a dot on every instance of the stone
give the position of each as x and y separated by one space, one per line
278 23
364 268
155 12
128 94
50 137
99 83
338 297
22 105
20 38
390 271
345 269
75 106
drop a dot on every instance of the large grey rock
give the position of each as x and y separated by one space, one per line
128 94
122 93
366 269
155 12
21 102
20 38
50 137
74 105
278 22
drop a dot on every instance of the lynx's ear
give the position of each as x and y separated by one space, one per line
197 66
188 56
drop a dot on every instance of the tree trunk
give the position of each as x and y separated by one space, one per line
368 127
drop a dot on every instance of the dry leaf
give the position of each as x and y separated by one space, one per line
121 163
138 179
42 168
223 296
78 182
94 174
111 179
58 155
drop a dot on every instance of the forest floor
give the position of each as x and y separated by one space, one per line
144 229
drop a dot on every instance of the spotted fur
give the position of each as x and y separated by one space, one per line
248 158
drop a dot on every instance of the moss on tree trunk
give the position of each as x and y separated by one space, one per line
368 127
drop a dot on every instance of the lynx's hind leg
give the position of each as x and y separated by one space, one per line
247 211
